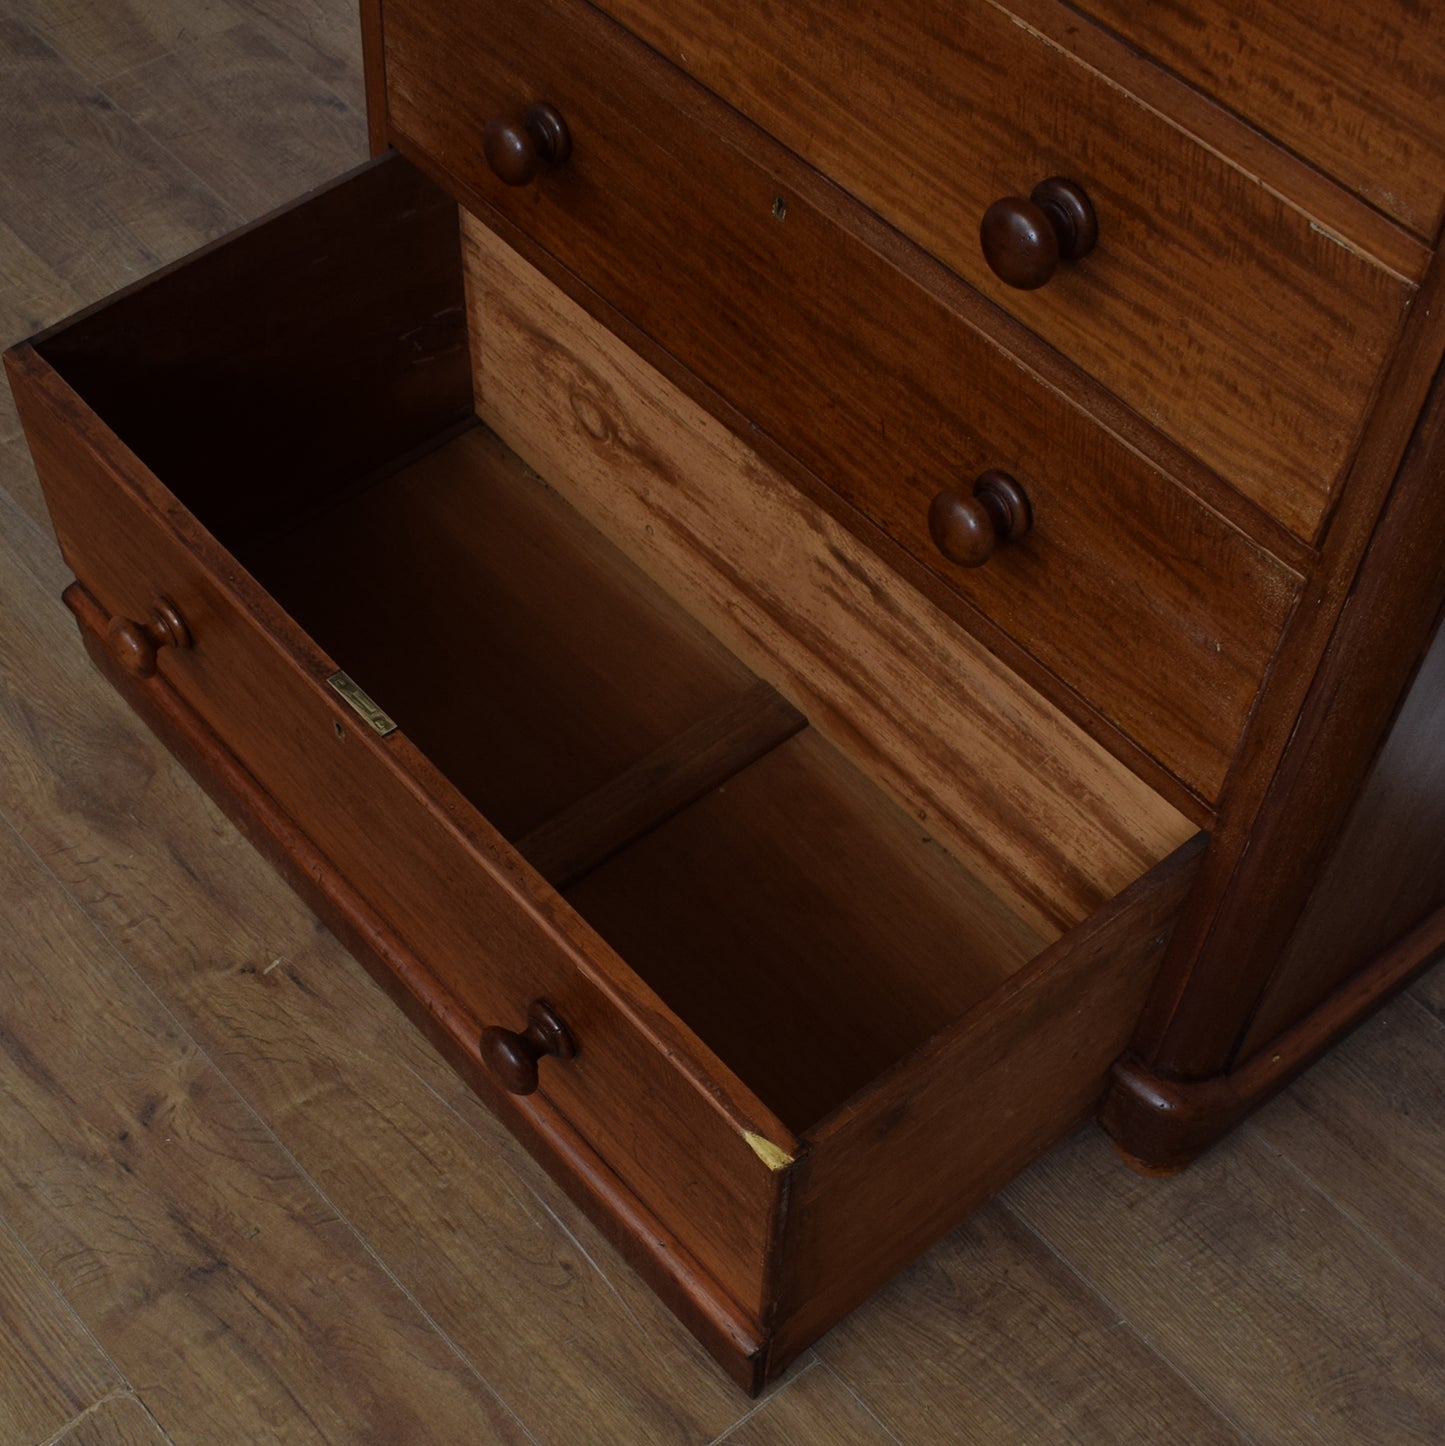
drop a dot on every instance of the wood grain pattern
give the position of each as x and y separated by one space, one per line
123 205
1364 1126
204 1232
623 1220
642 1090
120 1421
1356 88
994 1340
815 1408
103 42
321 35
885 389
1287 808
50 1366
893 1170
665 781
1266 1297
200 104
1205 286
1287 740
1025 800
496 1256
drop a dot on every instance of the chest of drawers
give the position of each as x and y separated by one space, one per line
805 692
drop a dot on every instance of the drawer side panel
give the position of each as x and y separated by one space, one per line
490 933
951 1126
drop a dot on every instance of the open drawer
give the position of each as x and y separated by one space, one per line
831 923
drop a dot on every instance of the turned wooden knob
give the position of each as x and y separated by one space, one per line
135 645
1023 241
512 1058
518 152
966 529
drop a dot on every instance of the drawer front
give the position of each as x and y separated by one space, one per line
1156 610
1357 89
1223 314
491 933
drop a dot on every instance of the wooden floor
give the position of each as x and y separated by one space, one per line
239 1202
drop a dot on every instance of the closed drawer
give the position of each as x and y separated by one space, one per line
780 986
1358 89
1161 614
1227 316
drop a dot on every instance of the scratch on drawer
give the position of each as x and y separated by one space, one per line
767 1151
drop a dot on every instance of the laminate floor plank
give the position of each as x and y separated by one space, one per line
81 185
496 1255
1258 1290
102 40
1367 1126
203 1261
816 1409
1429 989
323 35
31 298
19 482
50 1367
237 109
120 1421
990 1338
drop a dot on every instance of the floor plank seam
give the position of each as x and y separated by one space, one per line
303 1174
90 1410
765 1402
1121 1319
1421 1003
847 1386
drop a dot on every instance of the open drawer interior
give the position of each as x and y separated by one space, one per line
752 850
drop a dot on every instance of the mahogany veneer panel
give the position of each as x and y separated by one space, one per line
1235 322
1359 89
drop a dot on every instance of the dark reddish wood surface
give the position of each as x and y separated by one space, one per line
135 645
1161 1125
1270 848
877 384
523 654
374 72
967 526
809 931
1358 89
645 1240
1387 869
513 1056
310 349
1023 241
660 784
889 1173
492 935
1206 286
